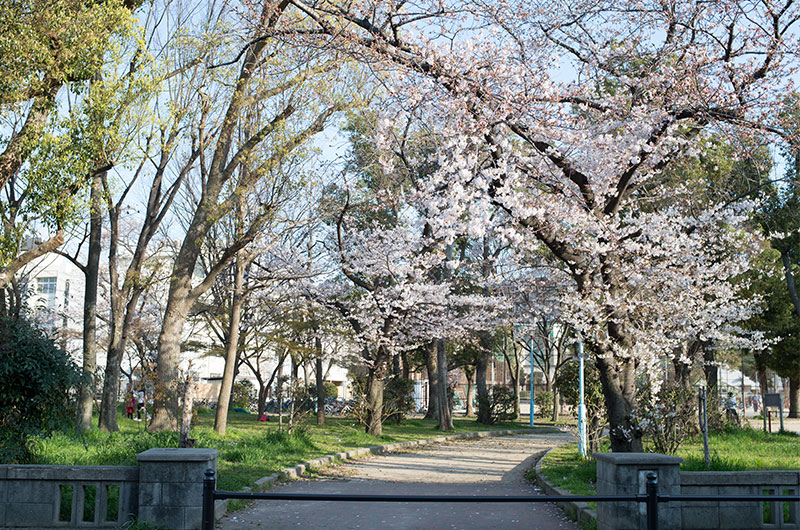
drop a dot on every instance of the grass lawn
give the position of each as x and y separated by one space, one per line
250 449
733 450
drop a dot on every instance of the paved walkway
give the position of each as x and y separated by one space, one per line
486 466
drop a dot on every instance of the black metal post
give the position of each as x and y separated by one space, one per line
652 501
209 485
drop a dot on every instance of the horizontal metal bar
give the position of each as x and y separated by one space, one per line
728 498
421 498
469 498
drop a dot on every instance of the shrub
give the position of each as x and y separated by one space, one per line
398 399
243 394
501 404
37 382
544 402
331 390
668 416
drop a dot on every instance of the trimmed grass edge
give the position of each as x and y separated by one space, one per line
221 506
579 512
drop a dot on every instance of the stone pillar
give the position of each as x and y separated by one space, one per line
626 474
171 486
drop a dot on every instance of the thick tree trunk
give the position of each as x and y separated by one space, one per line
481 368
432 367
86 393
406 368
108 402
231 348
165 401
619 391
375 383
445 408
262 397
121 318
320 373
794 395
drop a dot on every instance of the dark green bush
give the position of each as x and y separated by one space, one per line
37 383
398 399
544 403
501 404
243 394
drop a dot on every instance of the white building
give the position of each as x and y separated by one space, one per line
53 288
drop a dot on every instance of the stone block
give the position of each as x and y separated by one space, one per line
149 493
161 472
29 514
696 517
163 516
740 515
182 494
193 517
24 491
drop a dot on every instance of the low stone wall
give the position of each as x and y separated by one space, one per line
720 514
626 474
67 496
166 490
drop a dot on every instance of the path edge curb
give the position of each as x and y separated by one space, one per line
221 506
577 511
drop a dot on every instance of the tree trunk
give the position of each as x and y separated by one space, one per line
262 397
515 382
445 408
165 400
188 405
121 318
86 393
470 373
711 371
279 392
619 391
556 407
481 366
320 372
231 349
432 367
406 367
375 383
794 395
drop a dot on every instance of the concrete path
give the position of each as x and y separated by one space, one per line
487 466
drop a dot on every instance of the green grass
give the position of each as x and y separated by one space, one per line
733 450
250 449
565 468
745 449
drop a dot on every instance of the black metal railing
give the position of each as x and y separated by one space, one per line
651 498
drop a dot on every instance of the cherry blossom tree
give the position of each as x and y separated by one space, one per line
564 118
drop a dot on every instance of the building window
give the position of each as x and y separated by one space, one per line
46 286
